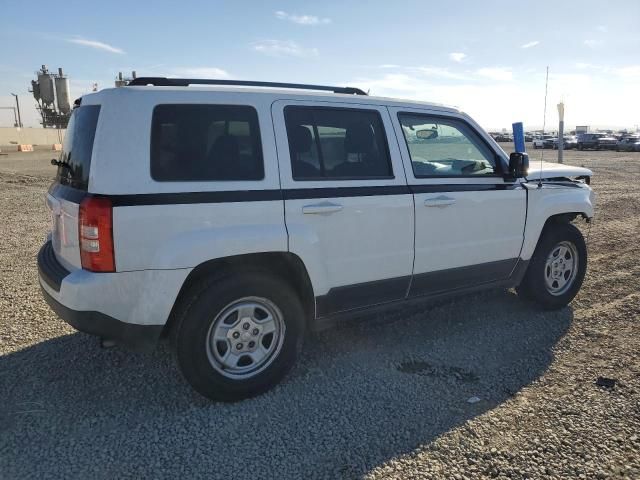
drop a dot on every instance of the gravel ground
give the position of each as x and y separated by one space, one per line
384 398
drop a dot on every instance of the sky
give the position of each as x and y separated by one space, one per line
486 57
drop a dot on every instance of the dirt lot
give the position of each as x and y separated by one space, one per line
384 398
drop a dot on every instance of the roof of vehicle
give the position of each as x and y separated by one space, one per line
276 93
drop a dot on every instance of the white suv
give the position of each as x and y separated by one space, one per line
234 218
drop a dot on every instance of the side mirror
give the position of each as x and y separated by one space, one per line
518 165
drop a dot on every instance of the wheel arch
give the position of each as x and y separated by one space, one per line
530 246
286 265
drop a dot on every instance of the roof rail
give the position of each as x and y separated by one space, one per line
185 82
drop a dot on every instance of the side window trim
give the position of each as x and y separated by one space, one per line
324 178
428 115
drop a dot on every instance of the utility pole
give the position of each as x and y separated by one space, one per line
18 107
560 131
15 117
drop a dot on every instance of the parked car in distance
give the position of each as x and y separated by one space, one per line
539 141
596 141
567 144
503 138
234 218
628 144
549 142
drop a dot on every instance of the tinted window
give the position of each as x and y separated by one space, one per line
445 147
336 143
78 147
205 142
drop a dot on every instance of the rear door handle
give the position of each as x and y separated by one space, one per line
441 201
321 208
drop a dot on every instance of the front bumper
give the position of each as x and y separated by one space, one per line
128 308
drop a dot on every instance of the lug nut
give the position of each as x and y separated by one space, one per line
246 326
255 331
239 346
236 334
252 344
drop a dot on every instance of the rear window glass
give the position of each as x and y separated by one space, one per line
336 143
205 142
78 147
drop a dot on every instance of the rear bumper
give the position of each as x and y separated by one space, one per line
129 308
133 336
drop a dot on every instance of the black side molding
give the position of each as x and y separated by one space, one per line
449 282
440 281
182 198
360 295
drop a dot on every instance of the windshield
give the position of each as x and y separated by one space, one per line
77 147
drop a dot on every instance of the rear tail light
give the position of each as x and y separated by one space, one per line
95 229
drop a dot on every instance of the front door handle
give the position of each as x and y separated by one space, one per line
441 201
321 208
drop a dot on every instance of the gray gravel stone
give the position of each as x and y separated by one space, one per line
383 398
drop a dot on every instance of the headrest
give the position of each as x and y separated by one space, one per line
300 139
359 138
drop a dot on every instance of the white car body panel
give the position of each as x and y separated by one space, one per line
144 297
180 236
478 227
370 239
550 200
554 170
184 236
64 231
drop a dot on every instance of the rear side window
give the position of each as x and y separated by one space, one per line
336 143
205 142
78 147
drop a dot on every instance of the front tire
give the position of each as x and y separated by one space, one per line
557 268
239 336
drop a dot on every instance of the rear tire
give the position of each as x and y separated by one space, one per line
580 147
212 351
557 268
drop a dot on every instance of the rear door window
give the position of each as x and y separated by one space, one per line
77 147
336 143
205 142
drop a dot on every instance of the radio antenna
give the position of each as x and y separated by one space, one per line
544 124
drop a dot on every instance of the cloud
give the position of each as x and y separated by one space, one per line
602 28
279 48
457 56
200 72
95 44
530 44
426 71
302 19
629 73
496 73
585 66
592 43
440 72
